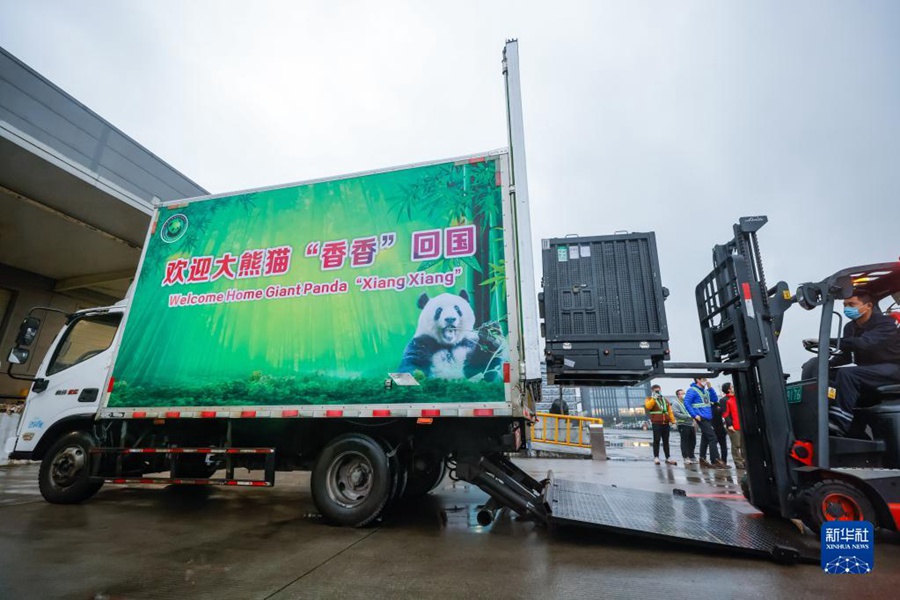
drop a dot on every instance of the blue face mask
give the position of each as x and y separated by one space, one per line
852 313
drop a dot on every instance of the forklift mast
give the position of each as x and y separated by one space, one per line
740 319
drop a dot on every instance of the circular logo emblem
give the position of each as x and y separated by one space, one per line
173 228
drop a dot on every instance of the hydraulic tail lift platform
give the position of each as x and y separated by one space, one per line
700 522
704 523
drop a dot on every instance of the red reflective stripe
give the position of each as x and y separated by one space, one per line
203 450
109 388
258 483
176 450
147 450
290 413
231 482
173 415
139 414
334 413
246 414
895 512
208 414
484 412
233 450
506 372
381 413
262 451
146 481
119 480
746 288
431 412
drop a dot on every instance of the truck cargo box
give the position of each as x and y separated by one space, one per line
602 306
376 294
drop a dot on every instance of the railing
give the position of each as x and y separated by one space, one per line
563 430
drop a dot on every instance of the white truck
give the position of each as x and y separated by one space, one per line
375 328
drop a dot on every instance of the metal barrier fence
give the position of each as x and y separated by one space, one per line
8 425
564 430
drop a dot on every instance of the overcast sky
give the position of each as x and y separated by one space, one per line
675 117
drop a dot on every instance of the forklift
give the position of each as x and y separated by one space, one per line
795 469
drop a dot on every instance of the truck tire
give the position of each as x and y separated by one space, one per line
834 500
352 480
426 472
63 477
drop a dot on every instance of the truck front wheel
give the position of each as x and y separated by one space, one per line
63 477
352 480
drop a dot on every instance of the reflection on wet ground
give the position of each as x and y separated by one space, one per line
156 542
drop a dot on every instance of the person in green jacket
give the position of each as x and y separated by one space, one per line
687 428
660 410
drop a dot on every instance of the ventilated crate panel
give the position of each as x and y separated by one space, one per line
603 288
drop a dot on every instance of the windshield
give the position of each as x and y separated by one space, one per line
87 337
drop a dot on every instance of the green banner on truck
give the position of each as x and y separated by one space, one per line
325 293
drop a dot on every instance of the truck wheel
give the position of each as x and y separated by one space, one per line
426 472
63 477
834 500
352 480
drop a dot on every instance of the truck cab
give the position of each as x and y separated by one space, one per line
66 389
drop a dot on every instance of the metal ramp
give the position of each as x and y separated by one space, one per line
675 518
699 522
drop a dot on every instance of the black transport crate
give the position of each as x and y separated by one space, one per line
603 312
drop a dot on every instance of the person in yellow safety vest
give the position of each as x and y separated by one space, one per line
660 410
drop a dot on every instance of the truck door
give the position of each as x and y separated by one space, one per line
70 381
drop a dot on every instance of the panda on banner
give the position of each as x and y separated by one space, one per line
446 344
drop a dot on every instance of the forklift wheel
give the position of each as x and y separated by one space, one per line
835 500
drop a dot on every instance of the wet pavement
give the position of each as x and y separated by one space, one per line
156 542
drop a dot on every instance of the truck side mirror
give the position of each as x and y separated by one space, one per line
27 332
18 356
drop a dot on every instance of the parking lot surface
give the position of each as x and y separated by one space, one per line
155 542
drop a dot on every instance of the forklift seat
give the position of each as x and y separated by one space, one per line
885 408
888 393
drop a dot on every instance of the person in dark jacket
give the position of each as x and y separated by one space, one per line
698 401
559 407
871 342
718 423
